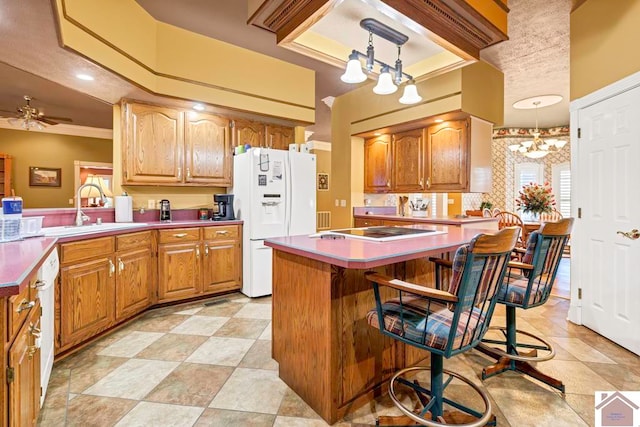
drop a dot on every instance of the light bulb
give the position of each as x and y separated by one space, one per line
353 73
410 94
385 84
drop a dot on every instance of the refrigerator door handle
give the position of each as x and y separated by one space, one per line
288 185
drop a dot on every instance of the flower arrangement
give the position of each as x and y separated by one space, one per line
536 198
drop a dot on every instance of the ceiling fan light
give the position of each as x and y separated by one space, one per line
410 94
385 84
353 73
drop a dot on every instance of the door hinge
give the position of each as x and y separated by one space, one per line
10 374
579 212
579 133
579 293
40 391
40 311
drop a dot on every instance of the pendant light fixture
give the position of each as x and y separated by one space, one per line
537 148
387 84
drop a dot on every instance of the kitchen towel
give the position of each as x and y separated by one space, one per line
124 208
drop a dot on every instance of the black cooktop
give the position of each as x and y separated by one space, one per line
384 233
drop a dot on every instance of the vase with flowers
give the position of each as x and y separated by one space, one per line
535 199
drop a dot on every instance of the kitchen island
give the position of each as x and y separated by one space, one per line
327 352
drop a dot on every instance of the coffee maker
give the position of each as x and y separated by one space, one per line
165 210
225 207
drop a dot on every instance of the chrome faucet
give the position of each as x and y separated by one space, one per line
80 216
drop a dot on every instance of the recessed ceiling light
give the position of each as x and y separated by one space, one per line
86 77
198 107
439 120
377 134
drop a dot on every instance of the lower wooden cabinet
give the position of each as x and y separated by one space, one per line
133 282
178 271
360 222
221 266
87 299
23 373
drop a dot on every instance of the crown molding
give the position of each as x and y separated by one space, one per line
65 129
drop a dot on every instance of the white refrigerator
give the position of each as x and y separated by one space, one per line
275 195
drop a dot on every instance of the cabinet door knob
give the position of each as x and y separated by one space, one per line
197 251
38 284
112 268
388 183
179 174
428 182
421 183
120 265
25 305
206 250
34 331
188 174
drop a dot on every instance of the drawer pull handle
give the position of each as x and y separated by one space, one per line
180 235
25 305
179 174
38 284
112 268
222 232
206 250
32 349
198 252
120 265
188 174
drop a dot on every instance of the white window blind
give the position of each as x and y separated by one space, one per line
526 173
562 188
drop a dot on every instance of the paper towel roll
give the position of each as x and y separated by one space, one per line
124 208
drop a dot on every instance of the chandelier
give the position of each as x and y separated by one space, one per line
538 147
387 84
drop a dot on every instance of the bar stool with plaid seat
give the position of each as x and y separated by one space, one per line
445 323
515 348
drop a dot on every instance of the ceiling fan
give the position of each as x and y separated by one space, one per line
28 117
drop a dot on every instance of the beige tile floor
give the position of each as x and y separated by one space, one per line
196 365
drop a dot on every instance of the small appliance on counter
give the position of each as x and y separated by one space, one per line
225 207
165 210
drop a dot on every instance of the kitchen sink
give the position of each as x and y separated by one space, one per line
73 230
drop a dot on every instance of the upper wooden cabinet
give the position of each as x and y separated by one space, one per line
447 153
408 158
153 145
279 137
5 175
166 146
454 156
207 149
169 146
377 161
248 132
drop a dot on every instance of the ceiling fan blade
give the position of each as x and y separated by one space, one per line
57 119
46 120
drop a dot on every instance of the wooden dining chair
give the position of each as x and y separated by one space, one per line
553 216
495 211
527 284
486 212
444 323
510 219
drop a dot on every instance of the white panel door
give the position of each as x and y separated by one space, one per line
608 156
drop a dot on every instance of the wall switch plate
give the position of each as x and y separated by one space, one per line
450 201
343 203
71 201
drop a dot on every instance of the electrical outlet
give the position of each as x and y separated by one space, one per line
151 204
343 203
71 201
450 201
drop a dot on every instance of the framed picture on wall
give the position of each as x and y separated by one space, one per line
45 177
323 182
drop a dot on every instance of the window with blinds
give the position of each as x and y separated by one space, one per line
561 175
526 173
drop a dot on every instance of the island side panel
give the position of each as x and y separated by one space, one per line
302 329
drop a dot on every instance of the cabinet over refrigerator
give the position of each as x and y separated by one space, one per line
275 195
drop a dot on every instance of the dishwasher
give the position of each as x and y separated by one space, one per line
47 275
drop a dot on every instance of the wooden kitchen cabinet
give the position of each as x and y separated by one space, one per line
360 222
153 144
87 295
222 262
23 373
247 132
179 264
207 149
447 155
134 278
408 157
279 137
377 164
